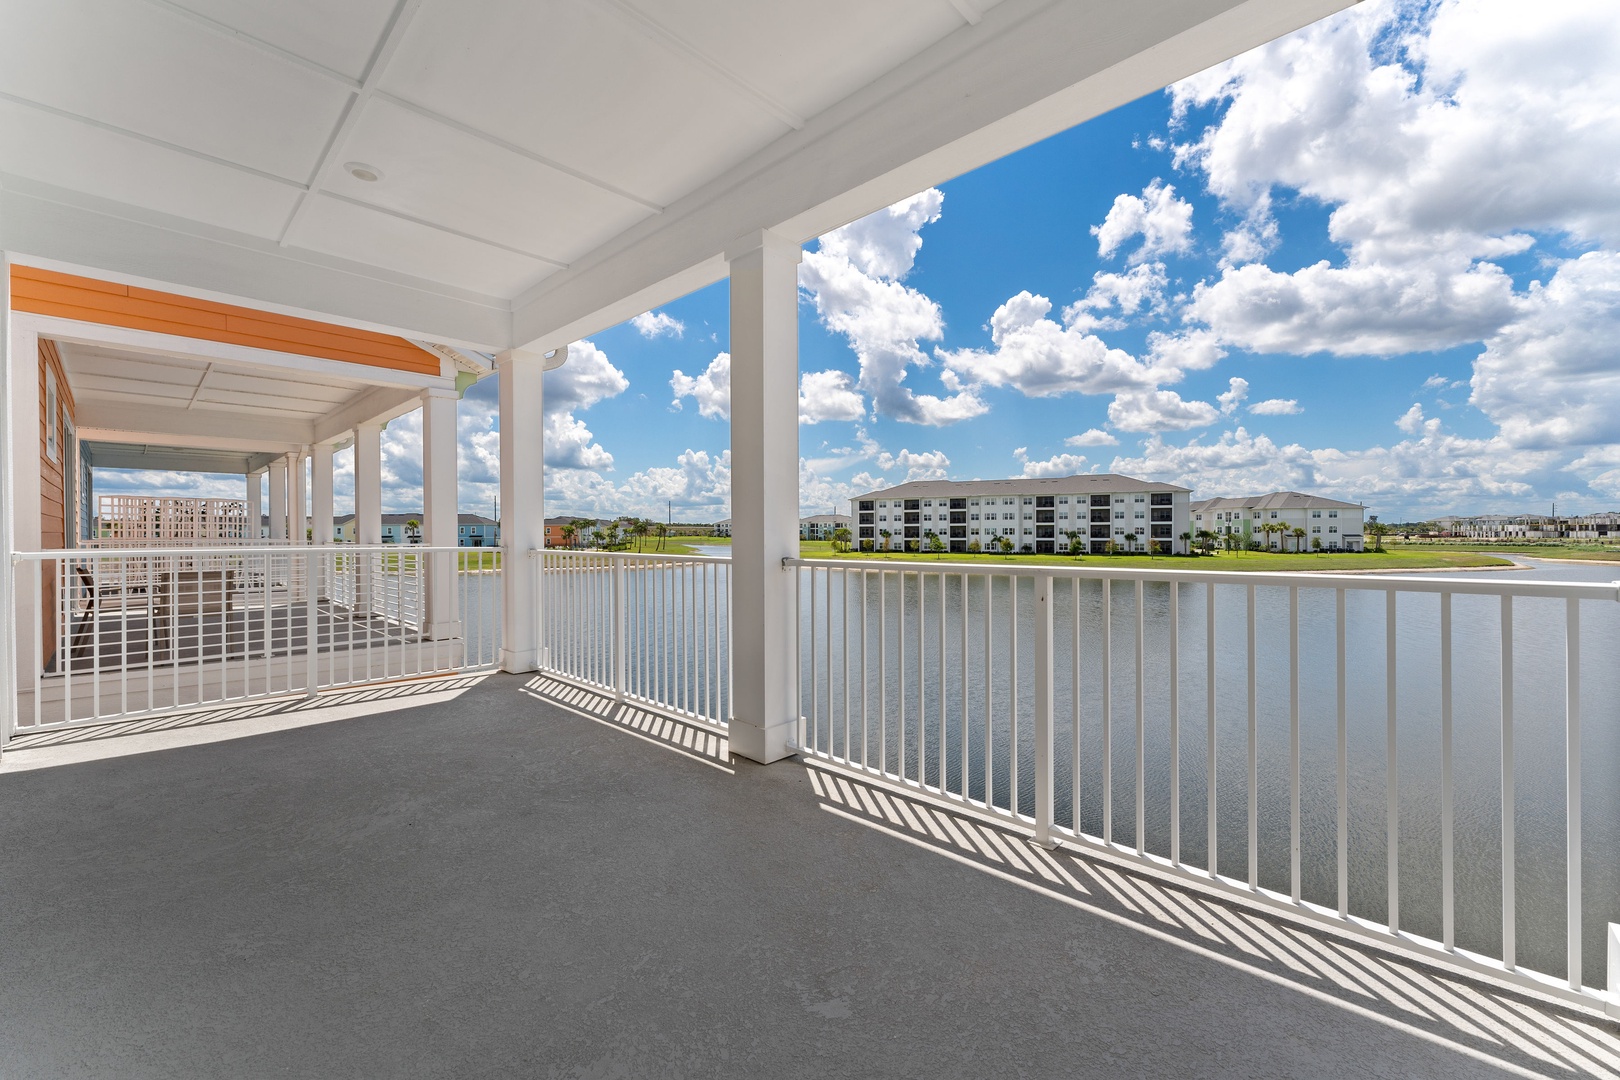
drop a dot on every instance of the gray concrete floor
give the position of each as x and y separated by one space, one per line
521 881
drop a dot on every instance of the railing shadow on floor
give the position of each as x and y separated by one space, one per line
1506 1030
254 710
695 740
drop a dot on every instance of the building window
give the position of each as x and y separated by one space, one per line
1316 513
1333 513
1119 515
51 422
1274 515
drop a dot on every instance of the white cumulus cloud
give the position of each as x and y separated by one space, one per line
1091 437
653 324
1276 407
1163 221
710 388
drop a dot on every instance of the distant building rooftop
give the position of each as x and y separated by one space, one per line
1081 484
1277 500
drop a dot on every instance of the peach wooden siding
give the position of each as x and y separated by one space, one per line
52 506
46 292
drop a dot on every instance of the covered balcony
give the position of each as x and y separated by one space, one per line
281 804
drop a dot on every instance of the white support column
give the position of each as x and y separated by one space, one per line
320 491
11 620
523 505
297 500
439 509
764 492
255 504
278 499
368 484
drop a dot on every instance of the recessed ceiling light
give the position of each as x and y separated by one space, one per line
361 171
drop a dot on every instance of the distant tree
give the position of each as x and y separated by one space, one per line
1206 540
1077 542
912 545
887 535
638 528
974 547
1299 538
1111 547
1004 545
866 544
840 539
1186 539
610 537
662 530
936 543
1130 540
413 531
1378 530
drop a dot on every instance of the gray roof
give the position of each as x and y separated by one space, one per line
418 516
825 519
1277 500
1079 484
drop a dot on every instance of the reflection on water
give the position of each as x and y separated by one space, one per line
933 728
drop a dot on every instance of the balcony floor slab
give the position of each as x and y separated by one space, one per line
524 879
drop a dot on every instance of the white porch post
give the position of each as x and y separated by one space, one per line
320 491
523 506
368 484
439 509
296 499
764 492
278 499
255 504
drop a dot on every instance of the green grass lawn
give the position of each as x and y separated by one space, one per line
1537 549
1222 561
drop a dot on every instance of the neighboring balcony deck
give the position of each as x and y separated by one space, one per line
507 876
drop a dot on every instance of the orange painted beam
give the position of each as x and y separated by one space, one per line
68 296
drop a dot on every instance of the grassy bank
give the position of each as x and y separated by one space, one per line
1538 549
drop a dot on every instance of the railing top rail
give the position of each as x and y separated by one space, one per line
627 556
1384 582
236 549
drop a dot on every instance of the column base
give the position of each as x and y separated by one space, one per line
762 744
519 661
442 631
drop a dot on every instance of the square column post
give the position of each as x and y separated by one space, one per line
439 510
367 507
523 502
320 491
297 499
255 505
368 484
278 499
764 493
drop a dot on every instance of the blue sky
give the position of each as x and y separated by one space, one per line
1378 259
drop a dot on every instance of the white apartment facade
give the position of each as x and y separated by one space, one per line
1326 524
1037 515
823 526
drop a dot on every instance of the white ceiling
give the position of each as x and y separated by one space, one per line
513 135
544 162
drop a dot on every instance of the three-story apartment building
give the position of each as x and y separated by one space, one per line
1040 516
1308 522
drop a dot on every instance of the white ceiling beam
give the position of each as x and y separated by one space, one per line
690 53
970 14
1030 69
378 405
182 426
232 34
58 229
393 35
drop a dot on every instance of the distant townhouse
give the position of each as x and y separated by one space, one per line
566 531
823 526
1037 515
1326 524
1533 526
472 530
723 527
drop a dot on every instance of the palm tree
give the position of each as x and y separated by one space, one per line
936 543
638 529
413 531
887 535
1004 545
840 539
1186 539
1299 538
662 532
1130 538
1378 530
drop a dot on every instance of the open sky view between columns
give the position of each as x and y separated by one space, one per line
1378 259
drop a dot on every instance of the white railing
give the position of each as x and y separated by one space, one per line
1399 757
144 520
111 634
649 628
